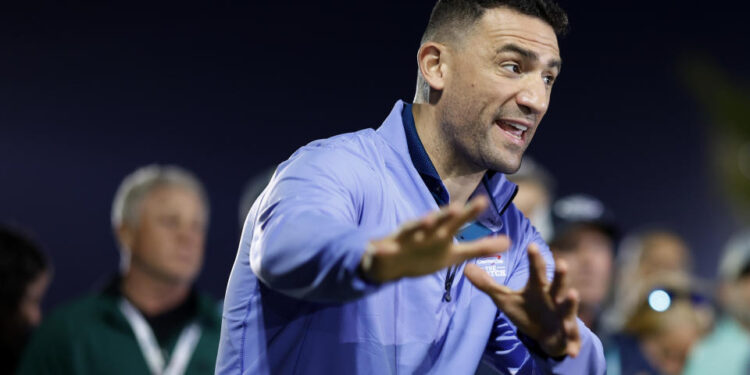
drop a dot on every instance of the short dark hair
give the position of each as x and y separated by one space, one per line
449 16
21 262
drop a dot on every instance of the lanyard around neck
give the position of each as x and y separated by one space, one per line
181 354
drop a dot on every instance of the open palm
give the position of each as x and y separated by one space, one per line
543 311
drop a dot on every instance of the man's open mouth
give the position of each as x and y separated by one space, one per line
514 130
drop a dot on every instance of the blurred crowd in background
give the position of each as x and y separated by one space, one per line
637 290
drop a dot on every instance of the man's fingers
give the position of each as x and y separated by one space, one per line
443 223
573 338
471 211
410 229
537 270
443 219
568 310
484 281
560 282
482 247
427 225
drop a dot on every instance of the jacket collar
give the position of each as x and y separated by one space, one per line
206 310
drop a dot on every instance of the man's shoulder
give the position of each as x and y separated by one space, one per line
68 325
85 310
363 151
356 143
345 139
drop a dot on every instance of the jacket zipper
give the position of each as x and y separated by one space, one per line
450 275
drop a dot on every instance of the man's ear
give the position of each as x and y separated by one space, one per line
431 58
125 237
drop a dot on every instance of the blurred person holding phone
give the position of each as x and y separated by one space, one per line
672 314
641 256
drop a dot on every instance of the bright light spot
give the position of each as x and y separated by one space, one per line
659 300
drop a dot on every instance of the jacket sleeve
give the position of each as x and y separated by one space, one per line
306 241
510 349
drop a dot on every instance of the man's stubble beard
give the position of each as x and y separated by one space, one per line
478 147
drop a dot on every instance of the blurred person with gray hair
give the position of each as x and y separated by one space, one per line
727 348
150 318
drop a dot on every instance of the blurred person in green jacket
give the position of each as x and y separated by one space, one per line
149 319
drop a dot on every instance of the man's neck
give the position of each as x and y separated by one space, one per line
459 178
151 295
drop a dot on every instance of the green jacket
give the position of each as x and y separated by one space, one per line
92 336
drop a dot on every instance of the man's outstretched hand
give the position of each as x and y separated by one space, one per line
425 246
543 311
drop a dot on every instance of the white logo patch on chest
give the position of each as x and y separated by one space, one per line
494 265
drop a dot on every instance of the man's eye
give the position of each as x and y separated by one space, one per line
549 80
513 67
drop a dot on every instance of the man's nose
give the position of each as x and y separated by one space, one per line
189 232
533 96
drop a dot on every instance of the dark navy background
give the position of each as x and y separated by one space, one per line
90 91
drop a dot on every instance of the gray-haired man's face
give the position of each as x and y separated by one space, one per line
167 240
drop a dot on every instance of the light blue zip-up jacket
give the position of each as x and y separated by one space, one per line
295 303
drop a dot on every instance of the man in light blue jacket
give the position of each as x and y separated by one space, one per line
349 265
